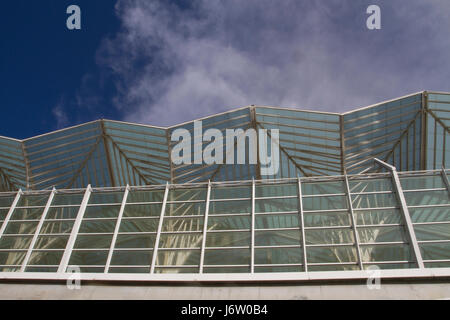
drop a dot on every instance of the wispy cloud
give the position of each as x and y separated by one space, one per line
173 63
61 117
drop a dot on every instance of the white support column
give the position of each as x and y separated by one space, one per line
252 253
116 229
158 234
302 227
38 230
205 228
405 211
447 183
10 212
73 235
355 230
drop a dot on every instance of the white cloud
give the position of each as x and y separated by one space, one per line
60 115
176 64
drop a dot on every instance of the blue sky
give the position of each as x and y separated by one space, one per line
165 62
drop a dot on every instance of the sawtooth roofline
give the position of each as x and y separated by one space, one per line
225 112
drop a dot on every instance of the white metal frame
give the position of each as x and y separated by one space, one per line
201 276
73 235
405 211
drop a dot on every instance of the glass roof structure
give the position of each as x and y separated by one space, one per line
356 190
411 133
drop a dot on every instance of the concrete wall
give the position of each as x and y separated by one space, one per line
89 290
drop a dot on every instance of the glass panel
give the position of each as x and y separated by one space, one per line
334 268
423 182
106 197
231 192
324 203
278 256
33 200
374 200
64 199
438 214
329 236
92 269
185 240
176 270
57 227
102 212
27 214
45 258
229 223
187 194
97 226
230 207
3 213
277 221
135 241
93 241
181 209
138 258
227 257
139 225
178 257
397 252
427 198
432 232
331 254
226 270
48 242
142 210
21 227
327 219
435 251
13 242
11 258
323 187
145 196
279 269
276 205
279 237
6 201
128 270
370 185
41 269
80 257
392 265
384 216
276 190
382 234
62 213
183 224
228 239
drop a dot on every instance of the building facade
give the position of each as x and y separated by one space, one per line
360 191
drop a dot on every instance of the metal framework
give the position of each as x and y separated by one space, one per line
304 225
410 133
104 196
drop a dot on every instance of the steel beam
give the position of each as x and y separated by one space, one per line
355 230
205 228
158 234
252 244
10 212
302 226
38 230
116 229
73 235
405 211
